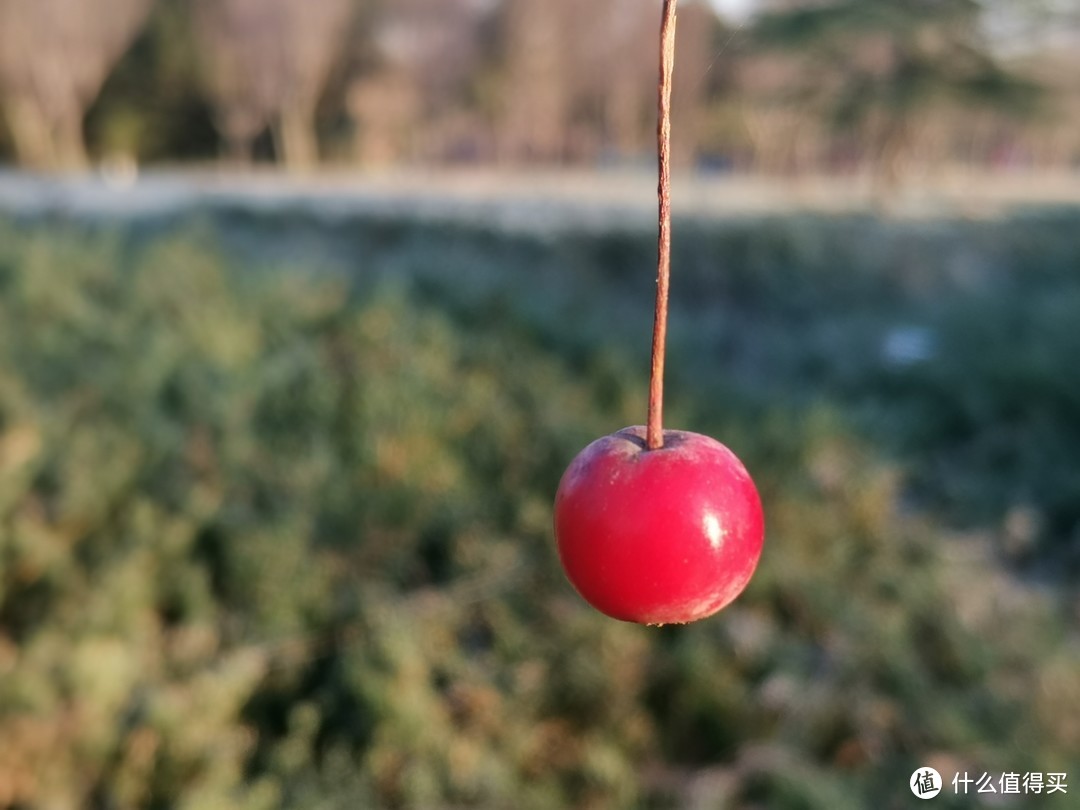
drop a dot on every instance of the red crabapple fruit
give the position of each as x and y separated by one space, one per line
664 536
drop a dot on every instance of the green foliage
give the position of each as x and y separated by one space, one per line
877 67
273 537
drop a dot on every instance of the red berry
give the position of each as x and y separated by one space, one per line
660 536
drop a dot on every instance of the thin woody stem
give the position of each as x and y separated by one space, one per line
655 432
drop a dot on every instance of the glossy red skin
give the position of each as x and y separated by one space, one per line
664 536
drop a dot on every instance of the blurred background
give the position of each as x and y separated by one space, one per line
781 87
305 305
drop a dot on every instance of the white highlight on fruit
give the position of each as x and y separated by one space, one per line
714 531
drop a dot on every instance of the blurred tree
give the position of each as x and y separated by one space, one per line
535 108
627 76
834 85
696 29
878 67
414 102
610 49
267 62
384 108
781 134
579 79
54 57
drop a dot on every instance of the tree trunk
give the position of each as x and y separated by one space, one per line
239 150
31 133
294 137
889 166
623 116
70 141
239 126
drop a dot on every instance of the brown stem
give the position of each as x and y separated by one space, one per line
654 439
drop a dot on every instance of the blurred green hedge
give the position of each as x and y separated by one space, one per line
279 536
